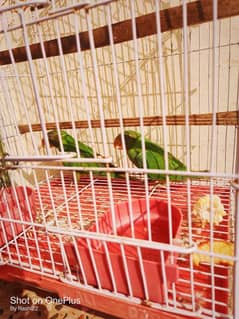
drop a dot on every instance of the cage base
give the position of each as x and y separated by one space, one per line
106 304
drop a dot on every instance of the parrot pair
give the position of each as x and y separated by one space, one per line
69 145
133 142
153 152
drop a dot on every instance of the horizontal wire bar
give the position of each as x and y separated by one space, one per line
135 171
38 158
123 240
108 237
69 157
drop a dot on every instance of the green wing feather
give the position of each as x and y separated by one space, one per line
69 145
85 150
154 156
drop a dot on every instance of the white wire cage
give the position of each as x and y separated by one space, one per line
165 69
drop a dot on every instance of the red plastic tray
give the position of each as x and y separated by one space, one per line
13 205
200 288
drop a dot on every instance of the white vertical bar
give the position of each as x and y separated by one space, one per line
214 86
31 220
164 107
213 139
63 254
83 78
186 104
211 248
65 259
188 159
23 102
186 83
162 81
49 80
62 250
199 98
93 263
94 201
21 220
110 266
34 81
131 215
165 131
65 199
5 114
5 241
120 113
164 276
141 265
79 261
117 83
11 115
141 113
97 84
15 239
217 80
66 82
78 200
51 198
126 270
112 207
236 267
44 221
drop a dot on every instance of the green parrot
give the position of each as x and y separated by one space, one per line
154 155
69 145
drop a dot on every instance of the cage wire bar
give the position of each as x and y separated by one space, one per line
126 237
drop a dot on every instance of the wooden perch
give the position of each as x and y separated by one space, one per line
223 118
197 12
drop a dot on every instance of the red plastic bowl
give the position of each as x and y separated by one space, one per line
151 257
159 225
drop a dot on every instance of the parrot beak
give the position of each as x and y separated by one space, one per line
43 144
118 143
